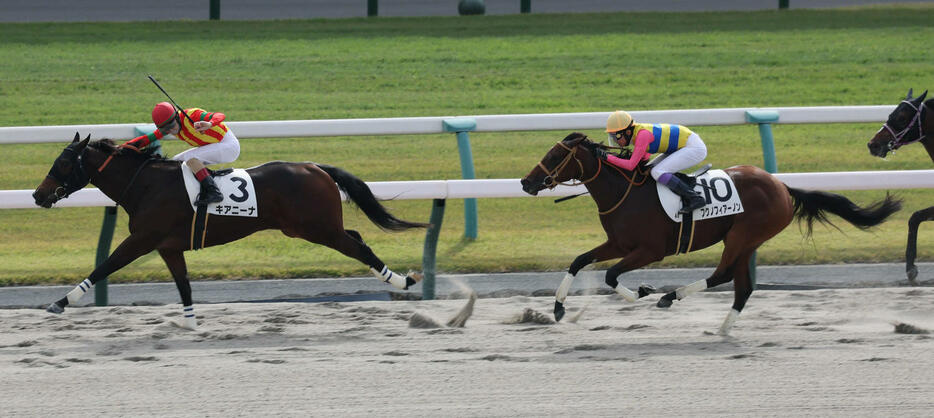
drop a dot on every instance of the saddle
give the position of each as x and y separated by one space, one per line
691 179
223 172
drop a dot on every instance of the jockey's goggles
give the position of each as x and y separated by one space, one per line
169 122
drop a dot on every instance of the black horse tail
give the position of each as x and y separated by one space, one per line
360 193
813 205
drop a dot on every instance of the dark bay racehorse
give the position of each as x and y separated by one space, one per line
300 199
910 122
639 231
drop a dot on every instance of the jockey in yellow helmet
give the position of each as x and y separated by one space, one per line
680 147
213 141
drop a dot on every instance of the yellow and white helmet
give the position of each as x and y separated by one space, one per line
618 121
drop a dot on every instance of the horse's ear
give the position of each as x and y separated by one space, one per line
77 137
921 97
84 143
908 97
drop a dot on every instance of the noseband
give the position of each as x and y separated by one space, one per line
550 174
897 138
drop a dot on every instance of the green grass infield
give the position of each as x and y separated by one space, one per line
93 73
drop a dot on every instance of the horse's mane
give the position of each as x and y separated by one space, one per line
108 146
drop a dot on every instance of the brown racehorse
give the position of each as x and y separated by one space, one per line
638 230
909 122
300 199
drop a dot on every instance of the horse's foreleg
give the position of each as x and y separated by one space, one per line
602 252
911 250
130 249
175 261
636 259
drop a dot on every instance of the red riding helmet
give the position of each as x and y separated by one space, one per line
163 113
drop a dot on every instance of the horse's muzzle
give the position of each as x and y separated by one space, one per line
877 149
530 188
46 202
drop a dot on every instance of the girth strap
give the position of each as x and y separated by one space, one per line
199 227
685 235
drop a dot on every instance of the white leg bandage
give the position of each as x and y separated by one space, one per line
562 292
728 322
627 294
685 291
389 276
189 321
75 295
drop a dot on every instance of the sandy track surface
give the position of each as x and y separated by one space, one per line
825 353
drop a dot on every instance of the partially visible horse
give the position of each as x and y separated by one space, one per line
908 123
300 199
638 230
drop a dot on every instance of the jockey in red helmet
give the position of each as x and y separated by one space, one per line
212 140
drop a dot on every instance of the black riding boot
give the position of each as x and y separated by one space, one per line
690 198
209 192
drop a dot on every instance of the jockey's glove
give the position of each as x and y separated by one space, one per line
599 153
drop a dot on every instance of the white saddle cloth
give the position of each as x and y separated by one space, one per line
715 186
237 189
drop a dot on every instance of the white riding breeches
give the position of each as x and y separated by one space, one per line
693 153
225 151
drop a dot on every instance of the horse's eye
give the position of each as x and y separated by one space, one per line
64 165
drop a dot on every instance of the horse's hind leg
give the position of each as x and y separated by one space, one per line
911 250
719 276
742 289
175 261
732 251
351 244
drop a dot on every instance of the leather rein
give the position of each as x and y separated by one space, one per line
135 175
551 174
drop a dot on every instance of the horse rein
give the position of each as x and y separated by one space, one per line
550 175
135 175
896 141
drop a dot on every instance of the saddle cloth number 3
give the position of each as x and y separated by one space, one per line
237 189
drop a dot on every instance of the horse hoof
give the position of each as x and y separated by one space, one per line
55 308
663 303
912 272
645 290
559 311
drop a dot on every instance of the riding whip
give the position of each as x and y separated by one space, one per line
170 99
559 200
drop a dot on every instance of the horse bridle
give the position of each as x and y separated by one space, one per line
75 180
896 141
78 178
550 174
